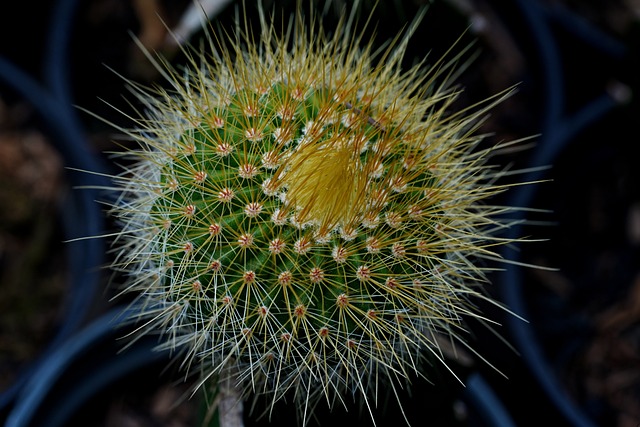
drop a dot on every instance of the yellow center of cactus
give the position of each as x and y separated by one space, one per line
326 182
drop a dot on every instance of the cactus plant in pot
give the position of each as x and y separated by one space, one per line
305 218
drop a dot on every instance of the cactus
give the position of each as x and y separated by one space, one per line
306 215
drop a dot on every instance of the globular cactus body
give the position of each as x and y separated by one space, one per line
305 214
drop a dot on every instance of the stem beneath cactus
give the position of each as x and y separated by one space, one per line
226 407
229 404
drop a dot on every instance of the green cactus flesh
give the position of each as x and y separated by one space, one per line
287 284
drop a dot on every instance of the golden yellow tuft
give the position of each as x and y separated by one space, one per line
326 183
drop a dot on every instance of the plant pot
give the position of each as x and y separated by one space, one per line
581 341
584 145
79 215
80 369
78 384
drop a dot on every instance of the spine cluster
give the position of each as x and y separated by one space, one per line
305 214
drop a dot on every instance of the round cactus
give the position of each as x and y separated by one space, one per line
306 214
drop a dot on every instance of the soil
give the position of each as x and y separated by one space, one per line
162 405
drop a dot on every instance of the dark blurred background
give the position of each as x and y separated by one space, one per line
576 65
